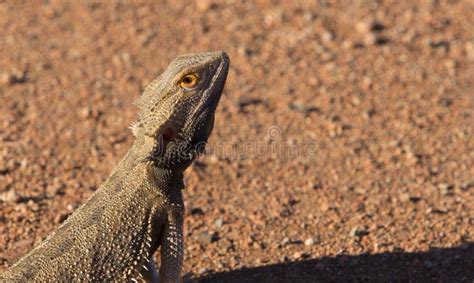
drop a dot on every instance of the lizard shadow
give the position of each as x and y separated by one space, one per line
435 265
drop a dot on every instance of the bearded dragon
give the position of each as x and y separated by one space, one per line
139 208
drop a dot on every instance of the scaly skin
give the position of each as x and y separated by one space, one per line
113 236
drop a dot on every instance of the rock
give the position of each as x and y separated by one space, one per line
285 212
362 27
55 189
302 108
370 38
203 271
300 255
369 26
327 36
218 223
358 232
444 188
86 112
377 26
245 101
469 48
13 78
60 217
4 78
203 5
324 206
70 207
466 185
23 244
213 159
308 16
317 186
9 196
309 242
33 206
415 199
196 211
207 238
404 197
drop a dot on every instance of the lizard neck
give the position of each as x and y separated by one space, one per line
167 180
140 149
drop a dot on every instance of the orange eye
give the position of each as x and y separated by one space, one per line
189 81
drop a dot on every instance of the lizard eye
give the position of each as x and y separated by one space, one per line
189 81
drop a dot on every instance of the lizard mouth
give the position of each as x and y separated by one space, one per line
169 135
172 133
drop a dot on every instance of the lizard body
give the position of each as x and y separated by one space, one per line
113 236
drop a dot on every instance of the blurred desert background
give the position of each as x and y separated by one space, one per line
343 146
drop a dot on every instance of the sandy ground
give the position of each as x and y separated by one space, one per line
343 147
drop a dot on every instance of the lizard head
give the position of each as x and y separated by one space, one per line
177 109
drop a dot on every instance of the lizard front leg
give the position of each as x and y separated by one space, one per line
149 272
172 248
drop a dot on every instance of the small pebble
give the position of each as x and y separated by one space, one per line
300 255
207 238
358 232
196 211
245 101
9 196
218 223
362 27
203 270
327 36
33 206
59 218
203 5
302 108
309 242
404 197
444 188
